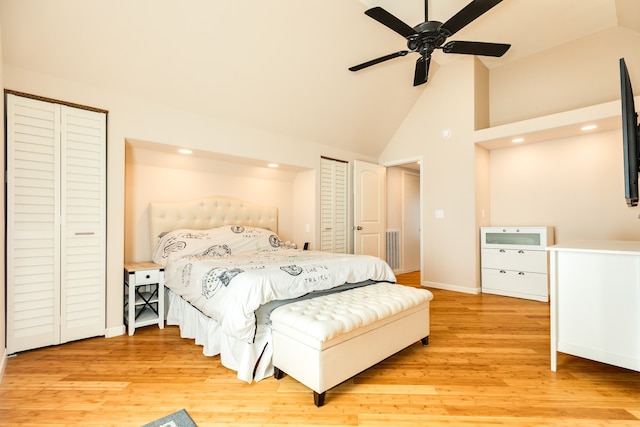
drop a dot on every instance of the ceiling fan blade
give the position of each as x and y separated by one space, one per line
476 48
378 60
422 70
385 18
468 13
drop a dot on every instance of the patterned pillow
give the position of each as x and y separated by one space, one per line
216 242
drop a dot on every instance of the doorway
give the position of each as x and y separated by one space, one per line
404 216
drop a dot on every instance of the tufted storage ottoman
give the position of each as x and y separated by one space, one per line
324 341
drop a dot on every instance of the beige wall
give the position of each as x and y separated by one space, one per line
448 173
306 209
483 196
3 349
153 175
573 184
571 76
394 198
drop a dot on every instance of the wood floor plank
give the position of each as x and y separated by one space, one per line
487 364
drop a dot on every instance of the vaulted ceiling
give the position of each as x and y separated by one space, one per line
278 65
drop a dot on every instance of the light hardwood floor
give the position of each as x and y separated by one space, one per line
487 364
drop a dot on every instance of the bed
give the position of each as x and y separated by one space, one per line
226 268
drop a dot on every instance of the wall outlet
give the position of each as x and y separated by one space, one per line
439 213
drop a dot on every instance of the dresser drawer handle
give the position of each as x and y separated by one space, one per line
520 251
502 250
503 272
521 273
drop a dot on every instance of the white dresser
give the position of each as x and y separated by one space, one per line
514 261
595 301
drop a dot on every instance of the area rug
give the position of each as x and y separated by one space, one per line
177 419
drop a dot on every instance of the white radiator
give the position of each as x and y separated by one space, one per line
393 248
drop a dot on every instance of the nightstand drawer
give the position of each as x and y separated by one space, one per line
146 277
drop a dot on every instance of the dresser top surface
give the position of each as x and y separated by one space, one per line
617 246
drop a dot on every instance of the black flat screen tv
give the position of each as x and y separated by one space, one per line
630 137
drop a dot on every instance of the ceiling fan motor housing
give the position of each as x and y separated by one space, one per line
429 36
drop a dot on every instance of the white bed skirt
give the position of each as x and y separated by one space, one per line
244 358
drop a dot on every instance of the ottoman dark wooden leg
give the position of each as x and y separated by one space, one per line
318 398
277 373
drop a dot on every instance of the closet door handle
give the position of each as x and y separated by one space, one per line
84 233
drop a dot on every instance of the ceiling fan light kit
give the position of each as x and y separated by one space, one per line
428 36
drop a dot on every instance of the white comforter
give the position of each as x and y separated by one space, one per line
228 283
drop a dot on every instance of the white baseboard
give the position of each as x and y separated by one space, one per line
447 287
114 332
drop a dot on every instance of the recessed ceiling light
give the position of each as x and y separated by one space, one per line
588 127
185 151
517 140
273 165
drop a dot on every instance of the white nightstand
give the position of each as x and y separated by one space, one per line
143 295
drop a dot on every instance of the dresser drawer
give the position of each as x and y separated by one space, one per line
516 284
515 259
146 277
516 237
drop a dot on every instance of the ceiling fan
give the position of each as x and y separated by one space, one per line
428 36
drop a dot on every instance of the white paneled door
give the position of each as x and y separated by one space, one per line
56 227
369 209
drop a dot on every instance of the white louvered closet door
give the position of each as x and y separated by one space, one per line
333 205
55 223
33 256
83 223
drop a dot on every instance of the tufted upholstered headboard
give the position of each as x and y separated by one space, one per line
210 212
